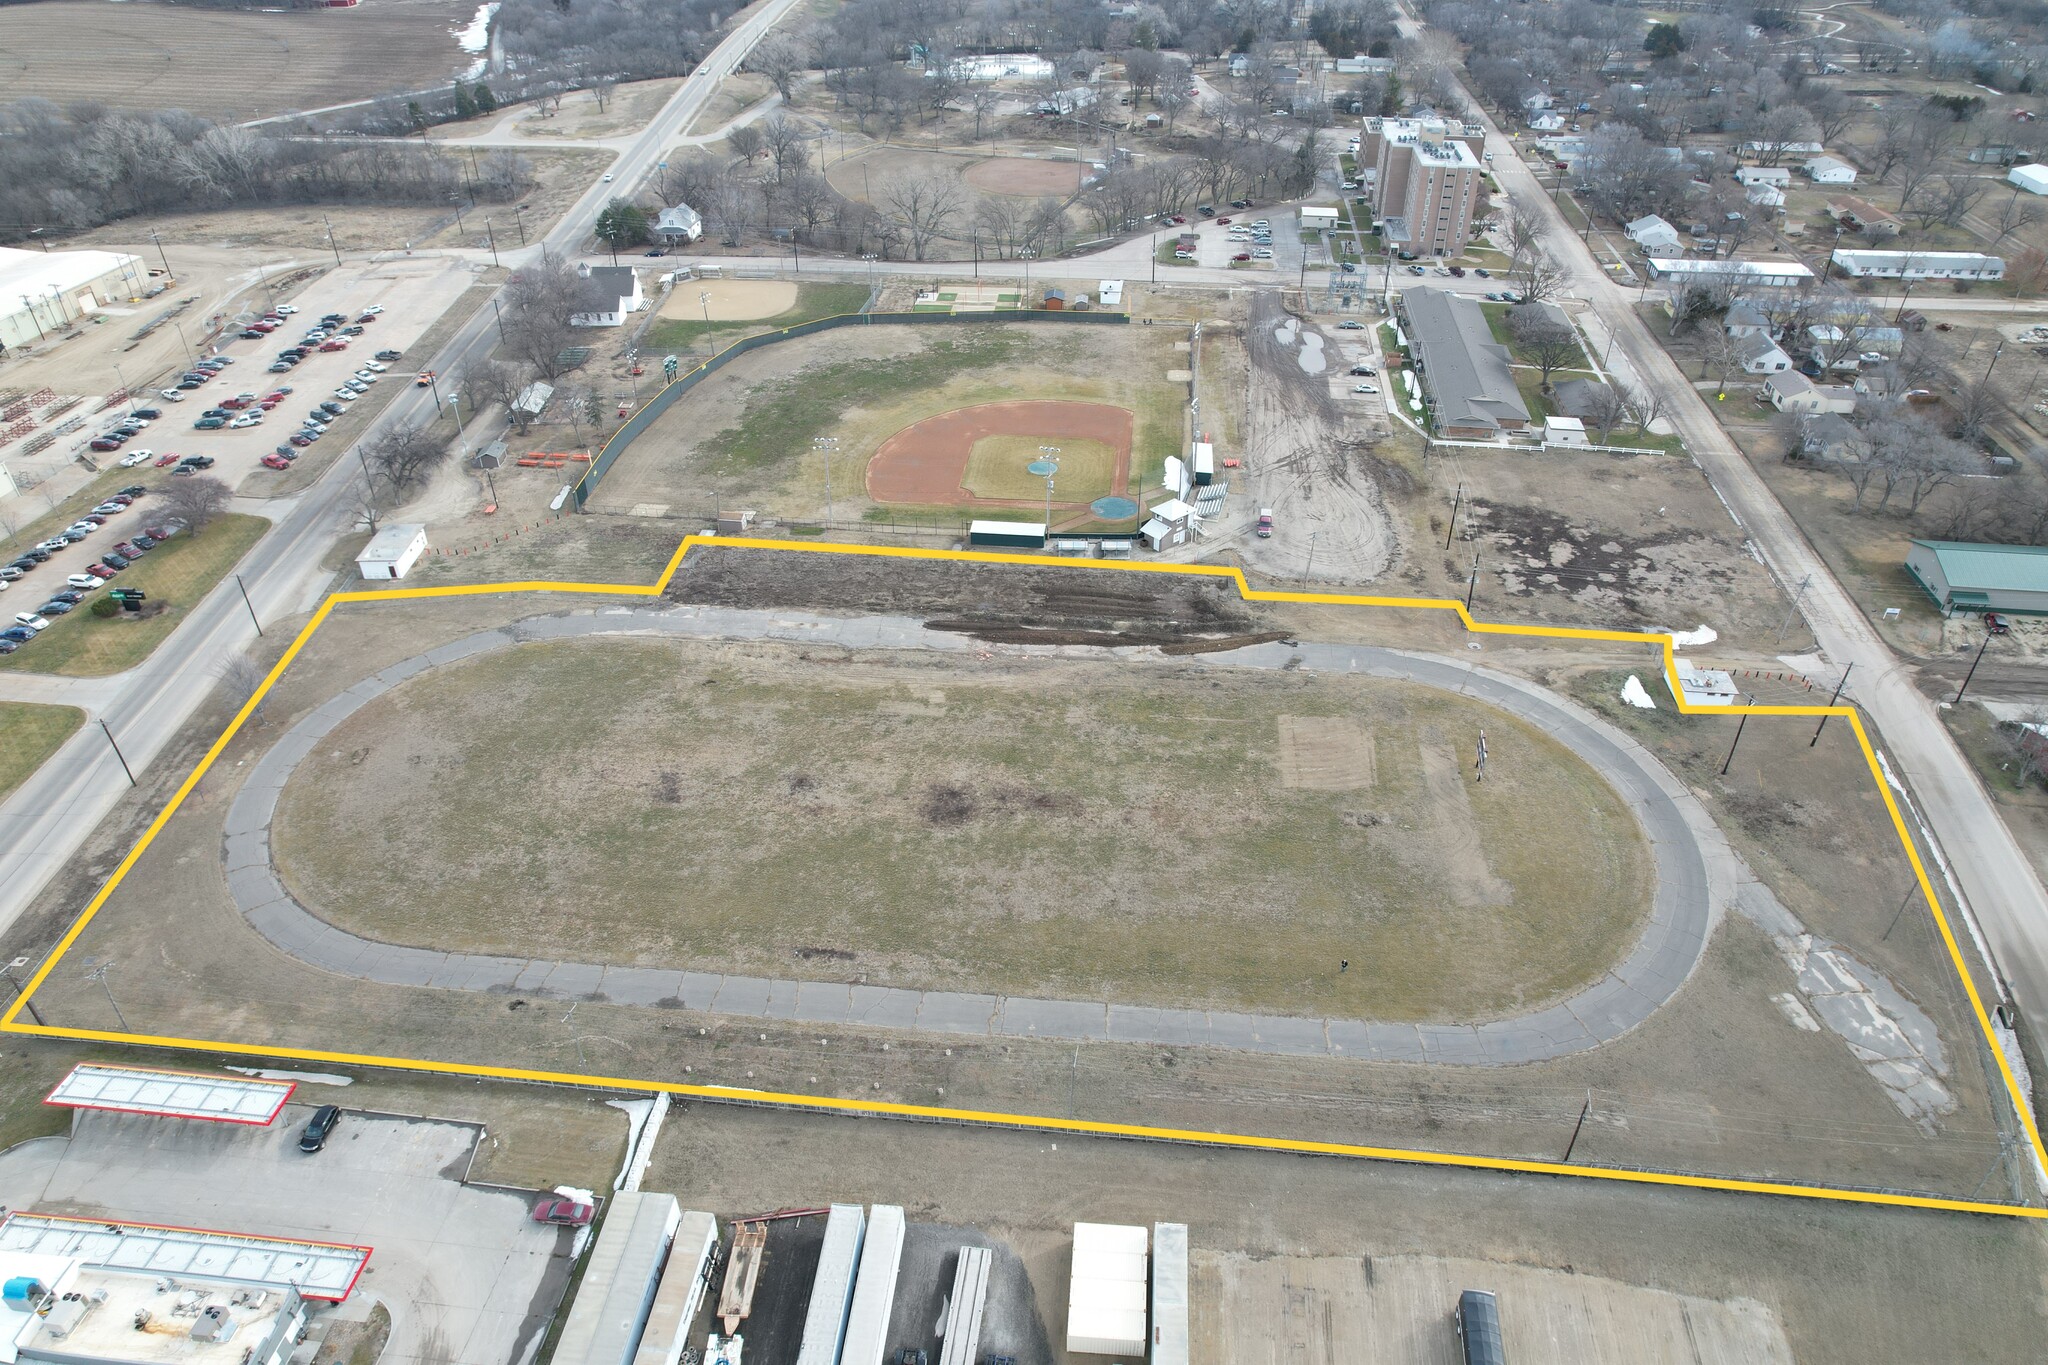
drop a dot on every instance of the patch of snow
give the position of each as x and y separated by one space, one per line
1802 1019
1634 694
1693 639
475 36
1311 357
305 1077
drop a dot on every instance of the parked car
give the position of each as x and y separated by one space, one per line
32 621
55 607
166 458
276 462
104 443
1265 526
247 419
83 580
17 635
198 461
136 457
1364 388
390 355
1997 623
336 345
127 549
374 309
319 1128
10 572
1363 370
210 423
563 1212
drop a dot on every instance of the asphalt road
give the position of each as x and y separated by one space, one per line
46 819
1999 886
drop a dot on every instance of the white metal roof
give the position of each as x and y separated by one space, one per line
392 542
172 1094
38 272
318 1270
619 1280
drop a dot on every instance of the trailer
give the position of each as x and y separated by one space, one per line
964 1308
874 1289
1015 535
1205 462
832 1291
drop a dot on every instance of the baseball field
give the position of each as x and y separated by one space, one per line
917 421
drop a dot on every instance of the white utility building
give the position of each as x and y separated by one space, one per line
393 551
44 292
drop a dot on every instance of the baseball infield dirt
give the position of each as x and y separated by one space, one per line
1024 176
925 463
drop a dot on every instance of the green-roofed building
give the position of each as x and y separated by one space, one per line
1961 576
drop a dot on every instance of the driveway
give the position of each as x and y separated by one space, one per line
465 1273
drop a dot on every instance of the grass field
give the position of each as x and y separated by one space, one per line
996 469
813 301
28 735
175 576
226 63
1035 831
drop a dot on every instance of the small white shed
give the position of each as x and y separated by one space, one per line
393 551
1564 431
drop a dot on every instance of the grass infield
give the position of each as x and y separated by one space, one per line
996 469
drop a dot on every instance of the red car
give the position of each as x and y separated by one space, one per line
264 326
1221 221
234 404
167 458
564 1212
1242 256
1996 623
127 549
276 462
335 345
100 571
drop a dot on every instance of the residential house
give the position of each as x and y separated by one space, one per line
605 295
1786 148
678 225
1765 196
1585 399
1829 170
1745 320
2031 178
1546 122
1763 271
1794 392
1860 215
1472 392
1760 355
1775 176
1656 237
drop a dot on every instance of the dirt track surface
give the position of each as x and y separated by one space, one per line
1024 176
968 596
927 463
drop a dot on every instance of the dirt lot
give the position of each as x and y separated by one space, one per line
1321 1263
743 437
731 300
1023 176
947 855
870 174
64 50
1720 1080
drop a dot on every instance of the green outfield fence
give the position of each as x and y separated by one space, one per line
666 396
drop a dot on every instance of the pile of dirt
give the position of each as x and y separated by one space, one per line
1057 604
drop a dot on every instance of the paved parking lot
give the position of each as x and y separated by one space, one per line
466 1275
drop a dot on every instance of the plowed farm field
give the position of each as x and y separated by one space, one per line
226 64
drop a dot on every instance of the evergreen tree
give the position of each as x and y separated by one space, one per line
465 103
486 102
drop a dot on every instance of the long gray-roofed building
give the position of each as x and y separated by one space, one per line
1472 392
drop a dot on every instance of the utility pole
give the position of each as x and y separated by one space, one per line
1309 571
330 239
1792 611
117 753
7 975
99 974
1831 702
492 238
155 241
1747 702
1472 585
252 609
1456 503
1973 669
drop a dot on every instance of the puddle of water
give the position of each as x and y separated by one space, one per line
1311 357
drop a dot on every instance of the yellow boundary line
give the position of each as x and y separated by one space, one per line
10 1022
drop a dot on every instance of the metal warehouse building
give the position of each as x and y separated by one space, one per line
1961 576
43 292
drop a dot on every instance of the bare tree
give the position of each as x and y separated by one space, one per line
194 501
746 141
1544 337
1541 277
239 676
2014 216
785 141
1519 233
982 101
602 91
539 301
781 59
404 456
925 205
1605 409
